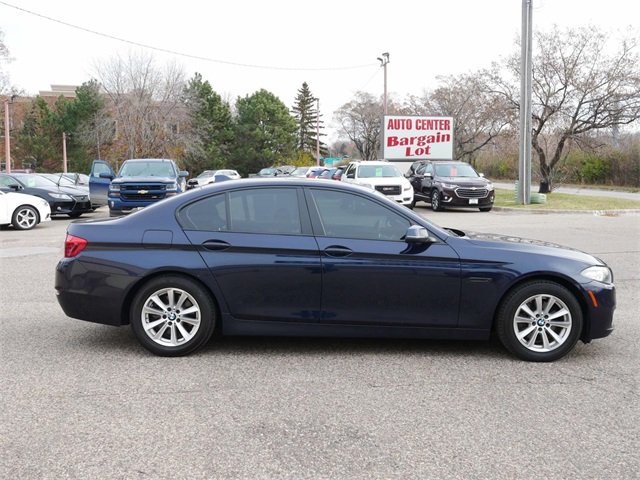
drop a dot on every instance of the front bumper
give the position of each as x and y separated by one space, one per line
601 303
451 197
65 207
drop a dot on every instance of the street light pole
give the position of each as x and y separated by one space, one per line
383 62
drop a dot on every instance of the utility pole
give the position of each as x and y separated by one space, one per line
318 131
384 59
64 152
7 135
524 176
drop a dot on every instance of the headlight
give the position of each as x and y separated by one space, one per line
408 187
172 186
114 188
60 196
367 185
448 185
599 273
489 186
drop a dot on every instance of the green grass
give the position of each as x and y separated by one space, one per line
566 201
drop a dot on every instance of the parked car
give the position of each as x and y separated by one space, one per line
450 184
209 176
382 176
23 211
302 171
326 173
63 200
296 257
78 178
337 175
70 181
317 173
284 170
140 182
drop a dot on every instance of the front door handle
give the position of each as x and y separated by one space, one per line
338 251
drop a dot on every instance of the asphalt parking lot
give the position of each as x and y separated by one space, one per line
86 401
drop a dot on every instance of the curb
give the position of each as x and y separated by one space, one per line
603 213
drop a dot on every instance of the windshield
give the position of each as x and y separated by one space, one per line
266 171
300 171
374 171
35 180
59 179
206 173
146 169
457 170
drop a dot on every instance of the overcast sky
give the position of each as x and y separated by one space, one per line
242 46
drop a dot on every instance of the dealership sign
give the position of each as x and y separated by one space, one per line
411 138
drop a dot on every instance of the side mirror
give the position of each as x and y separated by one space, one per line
417 234
351 175
183 173
106 175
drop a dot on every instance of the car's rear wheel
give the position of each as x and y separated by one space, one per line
436 204
173 316
539 321
24 218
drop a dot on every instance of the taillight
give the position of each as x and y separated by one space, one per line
73 245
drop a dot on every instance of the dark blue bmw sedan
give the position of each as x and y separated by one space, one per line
296 257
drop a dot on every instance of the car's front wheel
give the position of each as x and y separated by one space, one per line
436 204
24 218
539 321
172 316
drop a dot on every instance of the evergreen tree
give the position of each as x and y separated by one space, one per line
211 126
265 132
39 139
88 126
309 122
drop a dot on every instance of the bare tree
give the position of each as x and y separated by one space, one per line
146 103
360 121
479 114
580 85
4 58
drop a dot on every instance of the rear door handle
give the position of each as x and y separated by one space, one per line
215 245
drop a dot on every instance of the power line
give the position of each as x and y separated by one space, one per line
180 54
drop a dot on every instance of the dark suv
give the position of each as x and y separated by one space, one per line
450 184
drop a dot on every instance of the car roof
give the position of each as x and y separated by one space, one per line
134 160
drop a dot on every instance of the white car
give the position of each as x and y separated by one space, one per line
209 176
23 211
382 176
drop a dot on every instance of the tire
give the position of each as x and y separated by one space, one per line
436 204
163 325
25 217
486 209
74 214
539 321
